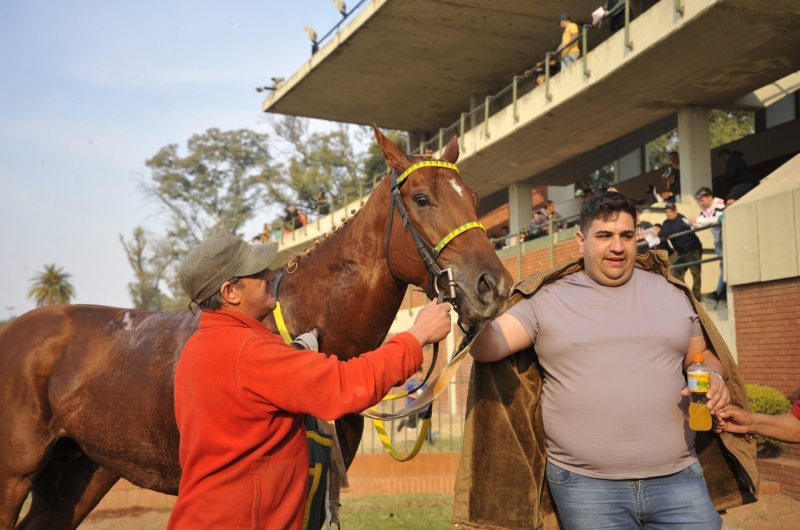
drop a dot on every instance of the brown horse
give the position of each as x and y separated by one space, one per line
87 391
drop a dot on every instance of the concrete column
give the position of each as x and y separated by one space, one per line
520 209
694 143
559 194
414 139
629 166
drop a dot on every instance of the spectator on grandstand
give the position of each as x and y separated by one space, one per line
501 243
736 173
322 203
569 52
711 210
265 236
540 224
538 70
301 217
688 246
291 217
614 11
672 178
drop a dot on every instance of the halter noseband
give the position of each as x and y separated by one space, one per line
428 253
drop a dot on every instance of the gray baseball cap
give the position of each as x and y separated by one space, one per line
218 259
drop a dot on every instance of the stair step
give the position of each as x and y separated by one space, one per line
767 487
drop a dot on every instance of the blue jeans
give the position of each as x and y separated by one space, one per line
673 502
569 59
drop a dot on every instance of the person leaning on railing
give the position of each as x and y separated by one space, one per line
570 53
711 211
688 246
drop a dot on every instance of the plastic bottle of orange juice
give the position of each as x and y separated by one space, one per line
699 379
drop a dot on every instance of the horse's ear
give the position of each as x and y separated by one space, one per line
394 156
451 151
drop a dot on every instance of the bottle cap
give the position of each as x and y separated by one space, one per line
698 357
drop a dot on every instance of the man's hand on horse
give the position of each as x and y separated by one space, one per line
432 323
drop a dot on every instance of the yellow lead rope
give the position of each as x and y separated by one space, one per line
279 322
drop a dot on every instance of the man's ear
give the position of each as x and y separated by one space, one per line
581 240
228 294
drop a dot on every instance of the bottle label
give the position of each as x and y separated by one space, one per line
699 381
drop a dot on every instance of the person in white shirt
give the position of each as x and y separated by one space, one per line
711 211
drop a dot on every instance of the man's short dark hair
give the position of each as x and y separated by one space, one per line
214 302
606 206
547 203
724 151
674 153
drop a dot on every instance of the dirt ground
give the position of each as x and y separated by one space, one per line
776 512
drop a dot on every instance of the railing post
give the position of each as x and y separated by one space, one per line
486 115
547 76
552 243
514 98
422 148
344 204
519 257
462 127
586 28
628 42
679 7
441 139
319 219
360 192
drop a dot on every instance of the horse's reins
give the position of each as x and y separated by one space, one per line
429 255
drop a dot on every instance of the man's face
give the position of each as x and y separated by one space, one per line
673 159
563 24
255 294
550 208
671 214
609 249
705 201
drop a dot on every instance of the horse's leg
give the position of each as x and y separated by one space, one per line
349 430
24 451
65 493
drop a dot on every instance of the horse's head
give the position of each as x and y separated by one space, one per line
444 212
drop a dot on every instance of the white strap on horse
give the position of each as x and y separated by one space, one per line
436 387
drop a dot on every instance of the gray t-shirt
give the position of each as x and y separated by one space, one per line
613 374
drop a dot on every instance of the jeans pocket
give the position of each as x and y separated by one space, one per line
695 470
557 475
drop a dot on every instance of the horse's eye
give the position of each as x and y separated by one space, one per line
421 200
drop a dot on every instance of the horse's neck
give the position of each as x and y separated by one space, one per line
344 288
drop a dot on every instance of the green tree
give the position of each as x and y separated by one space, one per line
152 262
51 287
727 126
341 162
216 188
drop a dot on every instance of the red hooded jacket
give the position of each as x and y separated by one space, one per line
241 395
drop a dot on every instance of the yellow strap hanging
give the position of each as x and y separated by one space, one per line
387 443
279 322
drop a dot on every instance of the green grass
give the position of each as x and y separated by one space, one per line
398 512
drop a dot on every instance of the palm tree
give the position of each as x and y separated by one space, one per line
51 287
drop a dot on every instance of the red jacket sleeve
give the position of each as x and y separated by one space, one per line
272 376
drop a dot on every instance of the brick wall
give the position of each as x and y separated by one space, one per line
768 333
768 341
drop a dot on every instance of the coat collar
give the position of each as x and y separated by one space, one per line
225 318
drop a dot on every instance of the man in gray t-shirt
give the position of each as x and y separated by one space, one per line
613 342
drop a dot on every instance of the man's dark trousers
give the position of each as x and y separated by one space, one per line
686 257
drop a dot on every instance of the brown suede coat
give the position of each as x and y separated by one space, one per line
501 476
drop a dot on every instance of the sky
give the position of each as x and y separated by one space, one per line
91 89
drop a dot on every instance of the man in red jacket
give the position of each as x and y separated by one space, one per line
241 393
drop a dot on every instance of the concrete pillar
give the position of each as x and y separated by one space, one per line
414 139
694 143
630 166
559 194
520 209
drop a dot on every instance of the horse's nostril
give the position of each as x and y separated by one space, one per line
487 284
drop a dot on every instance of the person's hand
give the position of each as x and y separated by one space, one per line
666 194
733 419
527 73
432 323
718 395
692 220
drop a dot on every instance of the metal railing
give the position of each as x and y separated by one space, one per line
315 44
510 94
446 429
